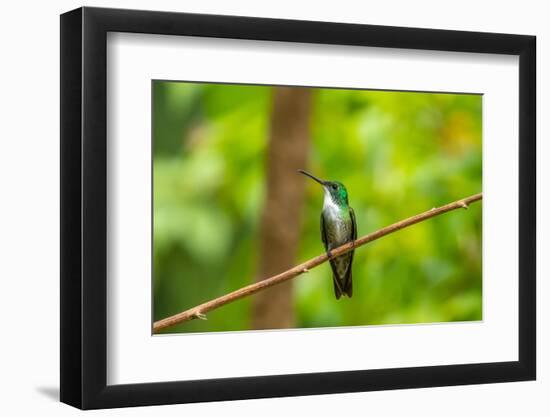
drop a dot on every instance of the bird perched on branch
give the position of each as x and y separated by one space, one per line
338 226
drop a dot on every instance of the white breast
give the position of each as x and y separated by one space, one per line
333 213
329 207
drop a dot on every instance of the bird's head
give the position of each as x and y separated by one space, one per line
334 190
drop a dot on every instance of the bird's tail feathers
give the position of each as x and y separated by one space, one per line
348 286
337 289
343 287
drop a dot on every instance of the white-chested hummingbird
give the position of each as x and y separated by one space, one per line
338 226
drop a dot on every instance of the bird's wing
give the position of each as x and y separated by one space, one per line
337 286
353 224
348 282
324 232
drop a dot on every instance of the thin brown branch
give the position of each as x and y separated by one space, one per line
199 311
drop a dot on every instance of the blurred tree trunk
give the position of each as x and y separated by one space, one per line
280 223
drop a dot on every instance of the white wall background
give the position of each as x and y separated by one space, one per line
29 237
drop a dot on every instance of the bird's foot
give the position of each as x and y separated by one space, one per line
329 254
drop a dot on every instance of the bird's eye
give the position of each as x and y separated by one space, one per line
334 186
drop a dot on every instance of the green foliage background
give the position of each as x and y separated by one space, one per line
398 153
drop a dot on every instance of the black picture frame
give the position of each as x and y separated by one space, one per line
84 207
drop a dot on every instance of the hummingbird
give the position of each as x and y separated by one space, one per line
338 226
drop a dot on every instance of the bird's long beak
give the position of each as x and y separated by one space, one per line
313 177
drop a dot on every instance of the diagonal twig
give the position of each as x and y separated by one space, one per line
198 312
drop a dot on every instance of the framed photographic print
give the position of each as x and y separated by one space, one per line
257 208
